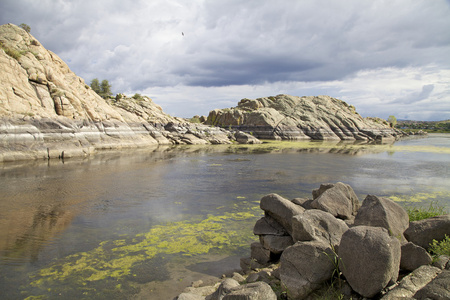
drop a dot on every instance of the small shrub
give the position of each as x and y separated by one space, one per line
25 27
138 97
11 52
420 213
440 248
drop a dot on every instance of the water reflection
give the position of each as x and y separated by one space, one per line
53 214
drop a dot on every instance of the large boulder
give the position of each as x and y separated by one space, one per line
383 212
275 243
305 266
224 288
339 199
423 232
268 225
369 259
412 282
316 224
245 138
438 288
280 209
414 256
251 291
260 254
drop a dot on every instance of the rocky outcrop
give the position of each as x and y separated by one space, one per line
295 118
316 255
317 248
47 111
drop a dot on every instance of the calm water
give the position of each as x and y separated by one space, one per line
144 224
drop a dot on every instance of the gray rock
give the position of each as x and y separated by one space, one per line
369 259
414 256
238 277
245 138
412 282
442 262
305 266
224 288
280 209
268 225
248 264
339 199
423 232
303 202
316 224
437 289
383 212
296 118
251 291
259 253
276 244
190 296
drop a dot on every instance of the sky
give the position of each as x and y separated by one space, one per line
192 56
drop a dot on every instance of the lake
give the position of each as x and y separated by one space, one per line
144 224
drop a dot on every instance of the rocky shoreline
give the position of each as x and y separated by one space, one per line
47 111
49 138
332 247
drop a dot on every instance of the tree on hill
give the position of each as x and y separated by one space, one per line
95 85
25 27
105 89
392 121
102 89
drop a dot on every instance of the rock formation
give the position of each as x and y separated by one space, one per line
47 111
293 118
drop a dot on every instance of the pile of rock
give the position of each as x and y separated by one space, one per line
331 234
306 245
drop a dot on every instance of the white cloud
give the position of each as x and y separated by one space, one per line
377 55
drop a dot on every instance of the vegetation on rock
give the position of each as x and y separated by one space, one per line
103 89
438 248
421 213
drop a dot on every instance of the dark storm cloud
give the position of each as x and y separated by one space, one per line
251 44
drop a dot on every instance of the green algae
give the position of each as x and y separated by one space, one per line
421 197
115 262
335 147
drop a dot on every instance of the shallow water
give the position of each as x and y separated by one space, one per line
144 224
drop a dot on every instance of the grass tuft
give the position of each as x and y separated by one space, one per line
440 248
421 213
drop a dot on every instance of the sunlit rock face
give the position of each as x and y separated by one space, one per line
296 118
47 111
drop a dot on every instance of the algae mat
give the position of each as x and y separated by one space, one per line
115 268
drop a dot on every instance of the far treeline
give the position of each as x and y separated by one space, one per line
428 126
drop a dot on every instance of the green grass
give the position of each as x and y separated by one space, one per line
420 213
440 248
